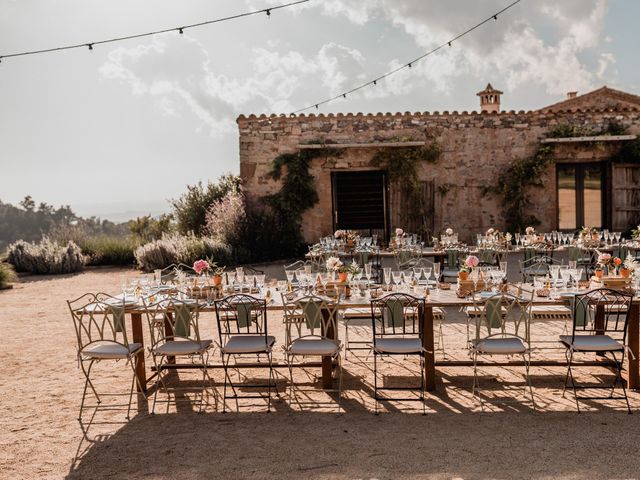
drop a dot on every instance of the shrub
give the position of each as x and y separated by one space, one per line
190 208
175 249
148 228
226 218
109 250
45 257
7 275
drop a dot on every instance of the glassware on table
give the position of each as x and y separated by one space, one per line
436 272
290 274
573 264
475 276
517 235
617 237
367 272
554 270
260 279
387 275
397 277
565 275
427 274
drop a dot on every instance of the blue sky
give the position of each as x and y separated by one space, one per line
117 131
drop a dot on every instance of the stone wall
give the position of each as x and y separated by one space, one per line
476 147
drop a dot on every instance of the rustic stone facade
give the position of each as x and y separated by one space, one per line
476 147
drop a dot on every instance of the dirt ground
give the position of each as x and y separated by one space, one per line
41 387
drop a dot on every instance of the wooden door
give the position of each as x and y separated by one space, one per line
413 214
625 189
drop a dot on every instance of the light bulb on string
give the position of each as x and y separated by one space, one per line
180 30
90 45
268 12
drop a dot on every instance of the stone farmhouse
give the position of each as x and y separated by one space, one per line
580 186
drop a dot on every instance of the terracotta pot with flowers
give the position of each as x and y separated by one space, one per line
203 267
628 267
602 266
470 262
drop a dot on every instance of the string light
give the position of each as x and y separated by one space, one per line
156 32
409 64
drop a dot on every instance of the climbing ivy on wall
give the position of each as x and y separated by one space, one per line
298 192
513 186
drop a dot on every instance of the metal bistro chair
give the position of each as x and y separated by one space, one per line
502 328
242 327
536 266
101 334
396 332
311 329
180 337
451 267
406 257
600 320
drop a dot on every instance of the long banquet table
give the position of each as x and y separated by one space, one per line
439 298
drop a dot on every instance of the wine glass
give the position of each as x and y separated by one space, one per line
290 275
517 239
475 276
617 237
387 276
367 272
436 272
397 276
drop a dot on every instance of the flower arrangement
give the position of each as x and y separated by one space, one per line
529 230
604 259
200 266
333 264
631 264
352 268
470 262
635 233
491 232
449 232
399 233
346 235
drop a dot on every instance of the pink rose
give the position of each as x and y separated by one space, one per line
399 232
200 265
472 261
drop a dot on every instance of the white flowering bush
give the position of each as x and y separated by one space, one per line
186 249
45 257
225 218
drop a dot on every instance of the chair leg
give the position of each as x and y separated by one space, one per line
423 385
340 380
476 381
346 337
271 379
573 383
619 377
527 363
375 382
290 365
87 382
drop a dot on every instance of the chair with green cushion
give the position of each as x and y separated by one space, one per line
502 329
396 333
180 338
311 330
242 330
102 337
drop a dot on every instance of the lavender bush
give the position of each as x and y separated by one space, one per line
45 257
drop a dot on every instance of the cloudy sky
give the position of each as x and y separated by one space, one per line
119 130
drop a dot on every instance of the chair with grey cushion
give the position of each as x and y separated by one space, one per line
179 339
600 320
242 329
102 337
396 333
502 329
311 330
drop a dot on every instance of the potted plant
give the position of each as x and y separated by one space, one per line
344 270
617 262
470 262
604 260
628 267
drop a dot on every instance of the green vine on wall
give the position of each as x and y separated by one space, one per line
298 192
513 186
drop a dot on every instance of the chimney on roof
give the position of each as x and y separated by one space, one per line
489 99
572 95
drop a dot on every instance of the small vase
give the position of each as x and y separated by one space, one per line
216 280
463 275
625 272
599 273
342 277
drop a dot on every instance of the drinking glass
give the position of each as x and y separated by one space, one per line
367 272
387 275
397 276
436 271
617 236
503 267
517 239
573 264
260 279
475 276
427 273
289 274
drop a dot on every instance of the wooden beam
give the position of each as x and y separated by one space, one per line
310 146
597 138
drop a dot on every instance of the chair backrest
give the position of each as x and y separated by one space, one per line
241 314
406 257
488 256
181 320
396 314
98 319
601 311
506 313
311 316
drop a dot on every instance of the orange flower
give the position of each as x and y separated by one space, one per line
617 261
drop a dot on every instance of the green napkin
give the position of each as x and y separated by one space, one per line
182 319
493 312
118 317
243 314
312 315
393 313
